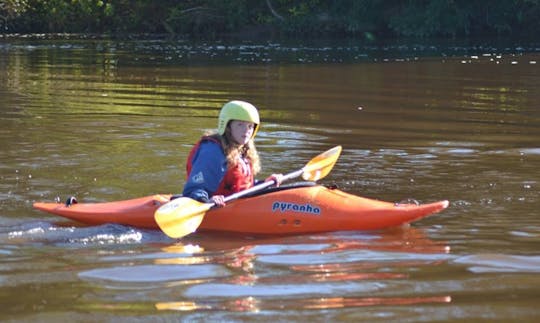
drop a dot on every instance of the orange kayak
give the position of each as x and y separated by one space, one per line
304 209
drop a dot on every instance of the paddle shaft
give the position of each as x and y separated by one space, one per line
314 164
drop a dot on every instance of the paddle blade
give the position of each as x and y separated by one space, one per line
181 216
321 165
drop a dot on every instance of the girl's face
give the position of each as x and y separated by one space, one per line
241 131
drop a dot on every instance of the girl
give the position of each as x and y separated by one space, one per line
226 162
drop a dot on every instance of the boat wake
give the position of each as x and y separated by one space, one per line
62 235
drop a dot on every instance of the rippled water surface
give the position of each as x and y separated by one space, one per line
111 120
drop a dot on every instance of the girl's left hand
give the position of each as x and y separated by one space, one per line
277 178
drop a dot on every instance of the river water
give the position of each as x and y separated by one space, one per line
108 120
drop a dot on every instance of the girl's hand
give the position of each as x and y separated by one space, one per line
219 200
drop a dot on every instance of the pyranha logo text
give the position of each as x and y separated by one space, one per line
302 208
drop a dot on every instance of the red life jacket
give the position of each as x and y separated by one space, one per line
237 178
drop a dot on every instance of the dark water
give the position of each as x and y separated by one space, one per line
111 120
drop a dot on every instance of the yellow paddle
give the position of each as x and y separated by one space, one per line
183 215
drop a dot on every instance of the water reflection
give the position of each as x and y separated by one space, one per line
252 304
492 263
306 264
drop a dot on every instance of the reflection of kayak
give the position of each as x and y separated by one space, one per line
286 210
410 239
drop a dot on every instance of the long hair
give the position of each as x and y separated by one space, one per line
234 151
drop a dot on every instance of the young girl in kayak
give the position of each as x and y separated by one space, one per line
226 162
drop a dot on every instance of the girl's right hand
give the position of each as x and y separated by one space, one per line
219 200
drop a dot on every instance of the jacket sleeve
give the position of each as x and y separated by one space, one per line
208 169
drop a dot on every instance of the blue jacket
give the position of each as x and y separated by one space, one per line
209 166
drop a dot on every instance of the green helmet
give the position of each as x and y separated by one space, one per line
238 110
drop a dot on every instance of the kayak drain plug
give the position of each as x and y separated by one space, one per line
295 222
